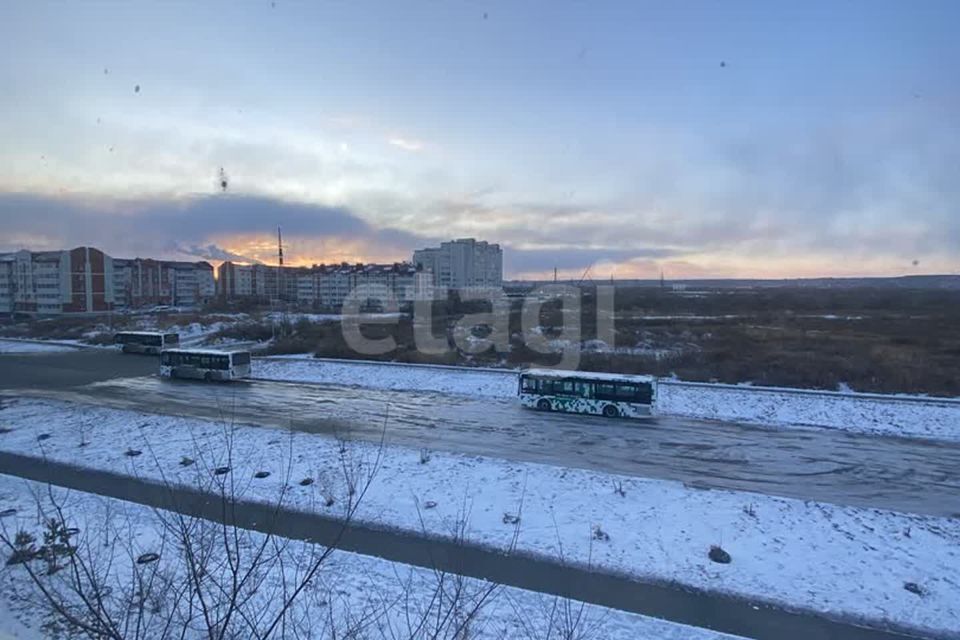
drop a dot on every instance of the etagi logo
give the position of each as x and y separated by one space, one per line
478 332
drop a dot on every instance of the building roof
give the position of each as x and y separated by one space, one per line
175 264
46 255
400 268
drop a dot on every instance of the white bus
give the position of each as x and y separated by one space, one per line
204 364
152 342
607 394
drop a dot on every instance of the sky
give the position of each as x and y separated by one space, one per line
703 139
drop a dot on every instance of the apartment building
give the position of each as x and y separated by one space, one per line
56 282
321 286
86 280
145 282
334 283
464 263
259 281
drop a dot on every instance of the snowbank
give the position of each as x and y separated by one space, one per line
846 562
33 346
861 413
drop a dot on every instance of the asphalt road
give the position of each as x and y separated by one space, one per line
817 464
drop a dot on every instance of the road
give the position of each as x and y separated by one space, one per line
816 464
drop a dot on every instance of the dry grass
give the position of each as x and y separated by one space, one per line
872 339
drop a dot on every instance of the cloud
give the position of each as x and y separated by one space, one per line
212 252
406 144
574 259
203 226
871 195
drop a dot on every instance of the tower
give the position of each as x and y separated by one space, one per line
279 246
280 291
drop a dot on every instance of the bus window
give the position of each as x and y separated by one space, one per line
241 358
645 393
606 391
626 391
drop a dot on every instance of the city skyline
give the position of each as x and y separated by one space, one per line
706 140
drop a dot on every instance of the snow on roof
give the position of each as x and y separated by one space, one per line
586 375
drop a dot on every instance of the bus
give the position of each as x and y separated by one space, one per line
204 364
608 394
152 342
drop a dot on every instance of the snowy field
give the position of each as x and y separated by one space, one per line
862 413
386 375
32 346
849 563
371 597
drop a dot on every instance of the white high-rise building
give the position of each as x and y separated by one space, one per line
464 263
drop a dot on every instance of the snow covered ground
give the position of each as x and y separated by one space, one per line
846 562
10 626
295 316
862 413
31 346
193 333
349 589
386 375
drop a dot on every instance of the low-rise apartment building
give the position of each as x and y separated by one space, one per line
322 286
259 281
78 280
144 282
86 280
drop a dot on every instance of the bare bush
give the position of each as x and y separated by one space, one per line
198 577
175 575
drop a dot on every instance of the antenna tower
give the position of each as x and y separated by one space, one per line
280 291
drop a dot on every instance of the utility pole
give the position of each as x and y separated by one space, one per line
554 275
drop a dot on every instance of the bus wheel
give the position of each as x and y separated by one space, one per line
543 405
611 411
208 376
